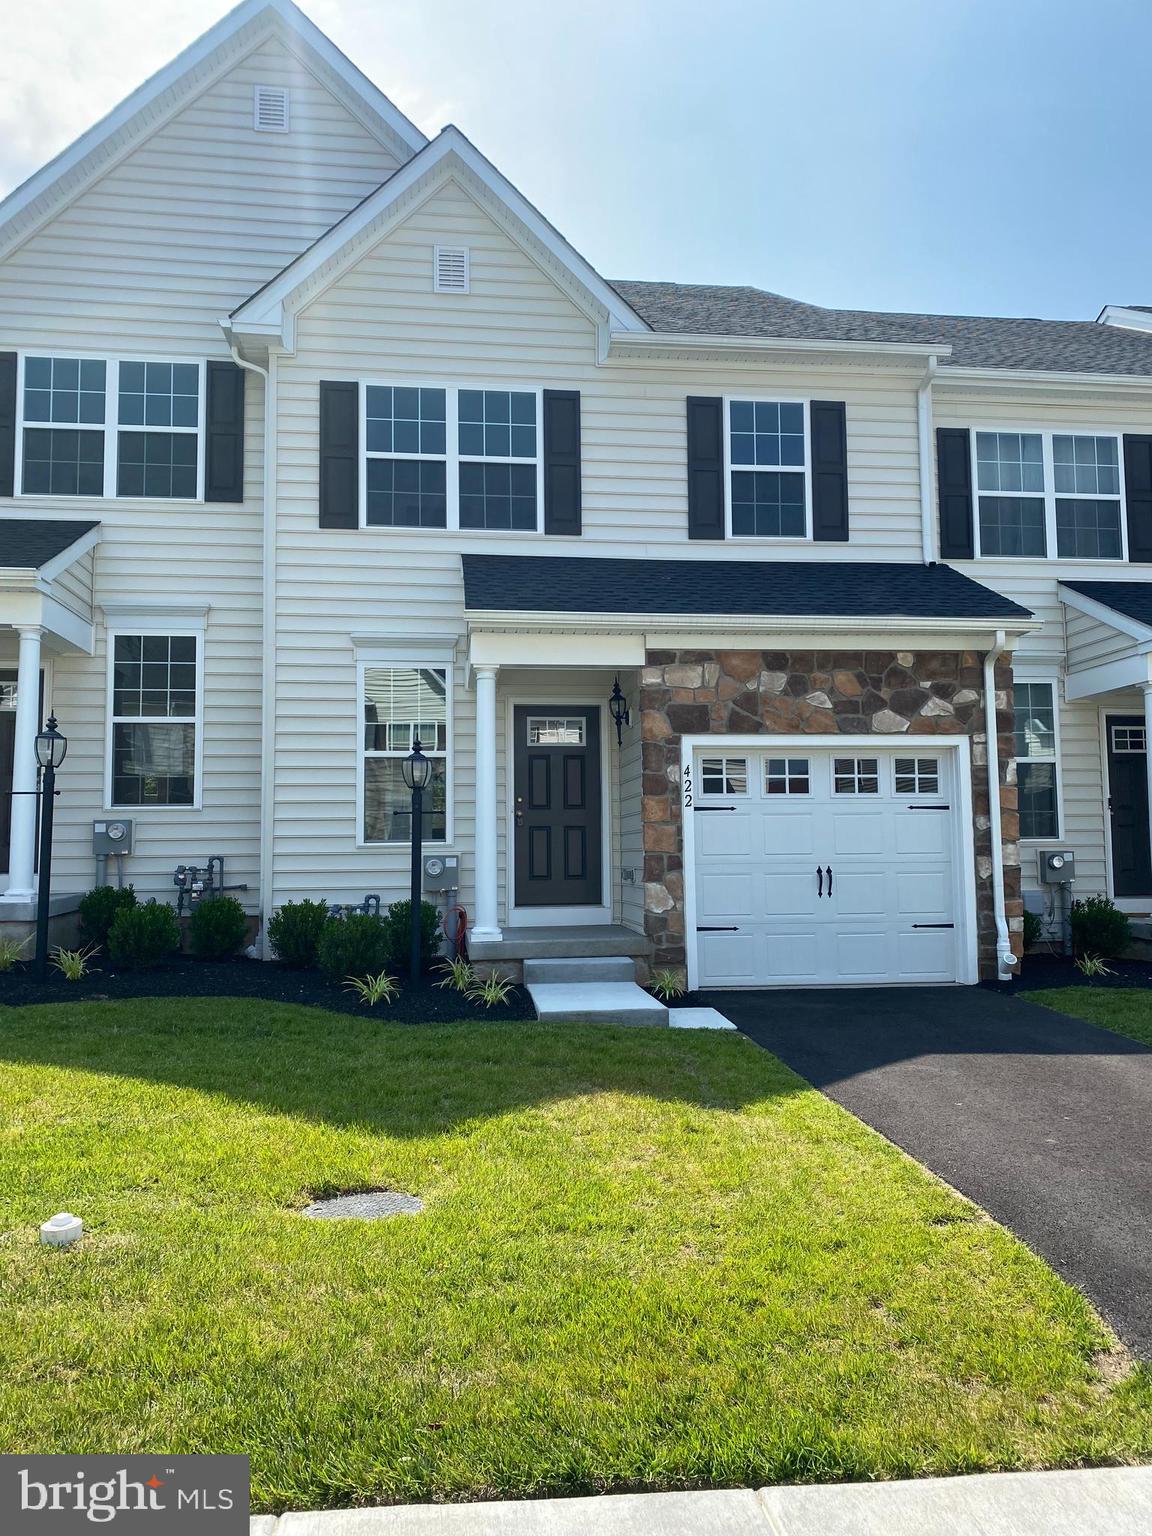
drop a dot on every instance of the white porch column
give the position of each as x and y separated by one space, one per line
1147 687
22 843
486 924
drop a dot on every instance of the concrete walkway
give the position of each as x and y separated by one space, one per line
1040 1118
1114 1500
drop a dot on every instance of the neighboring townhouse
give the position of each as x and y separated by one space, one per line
316 439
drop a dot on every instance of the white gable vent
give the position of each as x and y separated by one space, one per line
450 269
270 109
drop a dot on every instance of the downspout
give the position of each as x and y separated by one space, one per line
924 433
267 645
1006 961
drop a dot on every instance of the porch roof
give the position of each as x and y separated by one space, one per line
46 578
771 589
1109 632
26 544
1131 599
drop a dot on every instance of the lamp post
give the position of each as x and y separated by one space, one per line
417 771
51 750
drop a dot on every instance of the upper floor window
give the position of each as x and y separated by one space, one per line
452 458
1045 493
108 427
768 469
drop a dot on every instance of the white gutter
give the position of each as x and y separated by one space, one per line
517 620
1006 961
692 341
267 643
924 430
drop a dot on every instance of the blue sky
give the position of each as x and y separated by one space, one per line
962 156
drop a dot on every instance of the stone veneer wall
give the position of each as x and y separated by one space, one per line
694 692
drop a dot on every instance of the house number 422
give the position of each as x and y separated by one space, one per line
688 784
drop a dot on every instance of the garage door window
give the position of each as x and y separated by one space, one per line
786 776
917 776
856 775
724 776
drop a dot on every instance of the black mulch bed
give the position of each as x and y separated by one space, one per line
187 977
1040 973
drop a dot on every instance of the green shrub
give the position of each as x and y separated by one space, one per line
353 946
1033 929
98 911
143 935
294 931
399 922
217 928
1098 928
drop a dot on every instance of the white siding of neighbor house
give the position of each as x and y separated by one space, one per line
144 263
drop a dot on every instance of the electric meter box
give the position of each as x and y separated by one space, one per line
109 837
1057 866
441 872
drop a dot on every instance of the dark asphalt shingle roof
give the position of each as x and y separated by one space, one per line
1131 598
772 588
28 543
1060 346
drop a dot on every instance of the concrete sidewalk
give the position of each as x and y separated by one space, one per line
1116 1500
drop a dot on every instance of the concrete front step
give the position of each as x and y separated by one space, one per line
589 968
595 1002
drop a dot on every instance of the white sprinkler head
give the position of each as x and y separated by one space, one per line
61 1230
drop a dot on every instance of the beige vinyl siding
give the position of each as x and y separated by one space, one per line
1091 642
73 587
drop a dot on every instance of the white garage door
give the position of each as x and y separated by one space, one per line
824 867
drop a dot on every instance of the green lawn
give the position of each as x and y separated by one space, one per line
1127 1010
648 1260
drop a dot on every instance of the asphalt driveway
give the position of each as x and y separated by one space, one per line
1042 1119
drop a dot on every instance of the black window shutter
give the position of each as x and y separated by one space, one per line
829 470
1138 494
705 467
7 423
224 448
562 461
954 489
339 454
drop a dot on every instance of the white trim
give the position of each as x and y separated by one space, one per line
547 650
691 341
130 617
273 304
751 397
392 649
407 663
931 632
557 917
1110 616
967 953
1130 672
176 632
68 556
1049 496
1049 678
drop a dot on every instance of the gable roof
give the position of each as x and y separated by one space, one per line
26 544
348 240
1130 599
1048 346
570 584
166 92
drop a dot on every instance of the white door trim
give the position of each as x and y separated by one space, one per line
556 917
1137 905
964 864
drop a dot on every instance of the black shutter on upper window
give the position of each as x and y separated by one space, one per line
1138 494
705 467
7 423
954 490
224 445
562 461
829 432
339 454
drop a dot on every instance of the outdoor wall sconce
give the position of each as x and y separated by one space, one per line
618 705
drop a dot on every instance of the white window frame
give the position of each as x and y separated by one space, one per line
760 397
1049 497
368 661
724 758
110 427
452 457
175 632
1050 680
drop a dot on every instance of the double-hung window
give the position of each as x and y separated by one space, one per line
401 705
452 458
111 427
1049 493
768 469
154 719
1036 759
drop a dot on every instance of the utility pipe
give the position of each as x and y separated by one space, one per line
924 433
1006 961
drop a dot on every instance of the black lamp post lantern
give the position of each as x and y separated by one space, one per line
51 750
618 706
417 771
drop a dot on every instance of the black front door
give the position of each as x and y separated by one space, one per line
1128 805
557 806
